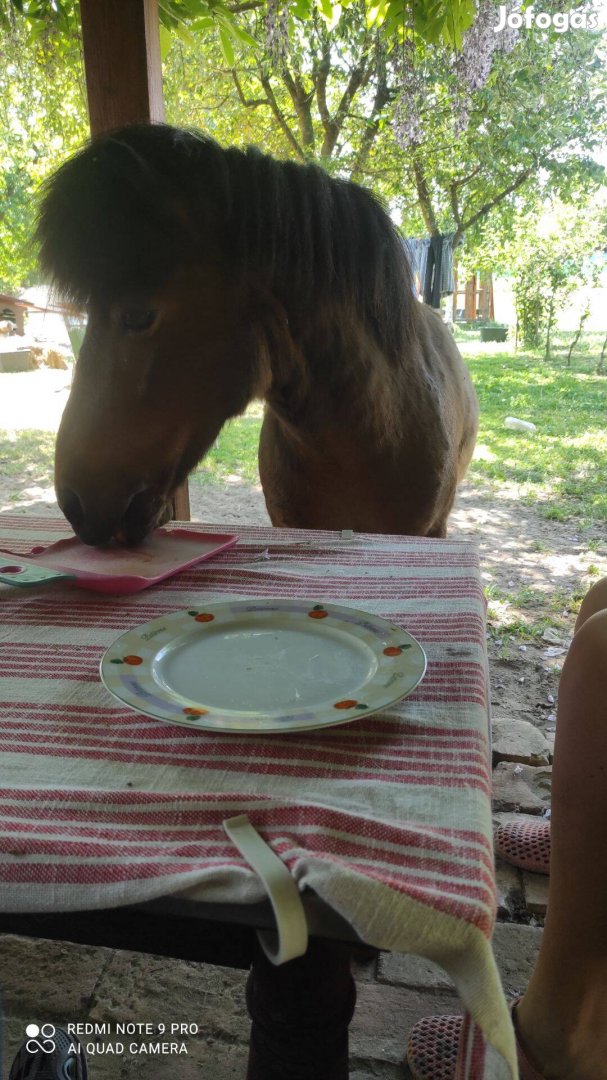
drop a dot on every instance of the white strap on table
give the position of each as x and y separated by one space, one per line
291 939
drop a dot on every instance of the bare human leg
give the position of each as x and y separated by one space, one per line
562 1019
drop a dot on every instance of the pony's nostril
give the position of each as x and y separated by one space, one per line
139 515
71 506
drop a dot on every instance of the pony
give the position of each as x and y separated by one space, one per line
216 276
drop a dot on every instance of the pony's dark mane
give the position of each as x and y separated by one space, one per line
134 205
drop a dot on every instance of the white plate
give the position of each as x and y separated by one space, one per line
263 665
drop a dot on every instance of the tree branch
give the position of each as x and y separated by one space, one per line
382 97
301 99
424 197
517 183
335 124
463 180
464 225
280 118
454 204
250 6
319 77
250 103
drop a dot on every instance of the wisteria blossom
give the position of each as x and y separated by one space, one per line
473 64
508 37
277 31
407 123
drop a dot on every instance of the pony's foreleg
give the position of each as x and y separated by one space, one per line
438 530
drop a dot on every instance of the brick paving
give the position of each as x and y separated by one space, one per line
60 983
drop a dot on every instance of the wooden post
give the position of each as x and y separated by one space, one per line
123 69
480 303
471 298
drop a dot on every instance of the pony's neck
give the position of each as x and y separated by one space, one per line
318 244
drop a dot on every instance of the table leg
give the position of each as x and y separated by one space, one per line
300 1013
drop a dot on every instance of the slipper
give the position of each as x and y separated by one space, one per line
525 844
433 1044
53 1060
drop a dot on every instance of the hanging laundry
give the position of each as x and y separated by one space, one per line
417 252
431 261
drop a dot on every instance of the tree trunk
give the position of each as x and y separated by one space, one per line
549 327
425 200
600 368
578 335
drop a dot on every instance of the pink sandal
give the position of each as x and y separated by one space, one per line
433 1043
525 844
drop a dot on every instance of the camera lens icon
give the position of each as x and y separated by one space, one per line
40 1038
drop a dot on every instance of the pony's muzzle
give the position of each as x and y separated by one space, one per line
127 519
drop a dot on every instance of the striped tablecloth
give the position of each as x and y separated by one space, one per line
387 818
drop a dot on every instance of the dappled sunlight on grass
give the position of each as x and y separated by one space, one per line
559 471
26 468
233 458
27 452
560 468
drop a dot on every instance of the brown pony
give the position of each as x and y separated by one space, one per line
215 276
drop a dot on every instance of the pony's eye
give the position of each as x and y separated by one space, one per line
136 320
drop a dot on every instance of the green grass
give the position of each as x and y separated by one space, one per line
235 452
523 614
27 453
559 469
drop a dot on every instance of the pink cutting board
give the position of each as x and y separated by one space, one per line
116 570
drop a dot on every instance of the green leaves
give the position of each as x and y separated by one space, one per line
227 47
42 120
36 16
540 115
434 21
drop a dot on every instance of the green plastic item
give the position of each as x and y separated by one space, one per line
21 572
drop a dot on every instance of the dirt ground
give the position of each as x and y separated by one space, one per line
531 566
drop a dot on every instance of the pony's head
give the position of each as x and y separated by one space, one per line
169 352
189 258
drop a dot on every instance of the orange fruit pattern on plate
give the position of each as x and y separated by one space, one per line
318 612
